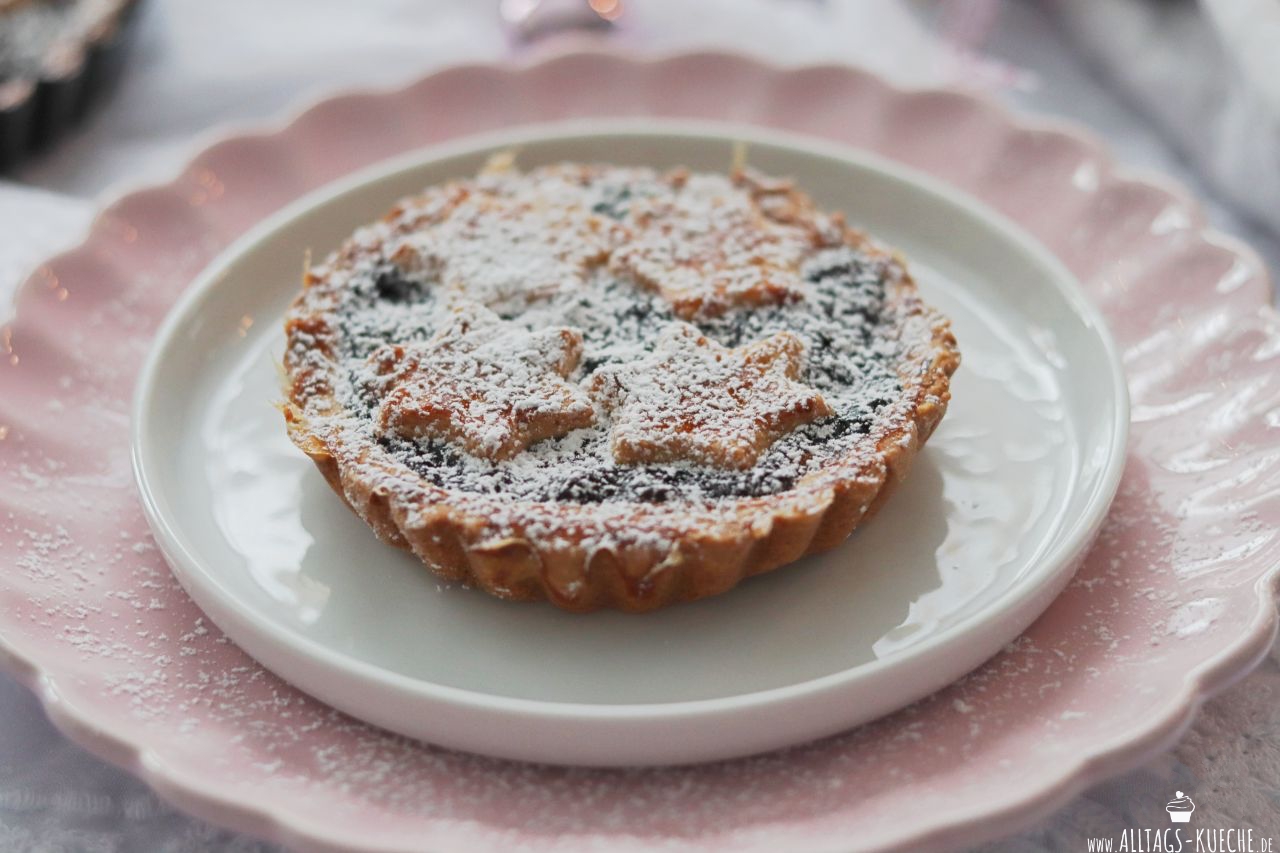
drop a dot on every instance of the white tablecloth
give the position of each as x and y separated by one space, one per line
198 65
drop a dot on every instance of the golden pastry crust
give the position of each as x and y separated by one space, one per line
473 512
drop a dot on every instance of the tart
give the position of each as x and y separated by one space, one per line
56 58
612 387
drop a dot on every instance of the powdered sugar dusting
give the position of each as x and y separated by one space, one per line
31 34
691 398
492 386
618 266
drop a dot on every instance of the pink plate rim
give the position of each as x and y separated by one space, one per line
1251 635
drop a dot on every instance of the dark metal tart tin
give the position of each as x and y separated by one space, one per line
37 110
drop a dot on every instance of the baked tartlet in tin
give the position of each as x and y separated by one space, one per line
611 386
56 58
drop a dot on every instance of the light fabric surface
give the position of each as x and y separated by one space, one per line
198 66
1222 110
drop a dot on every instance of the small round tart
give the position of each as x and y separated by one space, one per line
612 387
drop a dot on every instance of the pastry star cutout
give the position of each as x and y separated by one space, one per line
488 385
692 399
707 247
504 252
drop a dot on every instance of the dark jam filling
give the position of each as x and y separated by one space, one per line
614 202
391 286
379 309
846 306
589 481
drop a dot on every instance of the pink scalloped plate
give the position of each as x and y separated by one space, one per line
1175 600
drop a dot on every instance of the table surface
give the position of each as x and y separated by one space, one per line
198 66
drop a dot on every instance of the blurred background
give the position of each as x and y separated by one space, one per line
99 95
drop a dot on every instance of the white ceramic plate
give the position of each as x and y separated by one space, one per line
999 509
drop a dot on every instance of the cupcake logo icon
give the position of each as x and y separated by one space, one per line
1180 808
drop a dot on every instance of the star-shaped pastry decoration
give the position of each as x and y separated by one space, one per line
707 247
504 252
488 385
695 400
